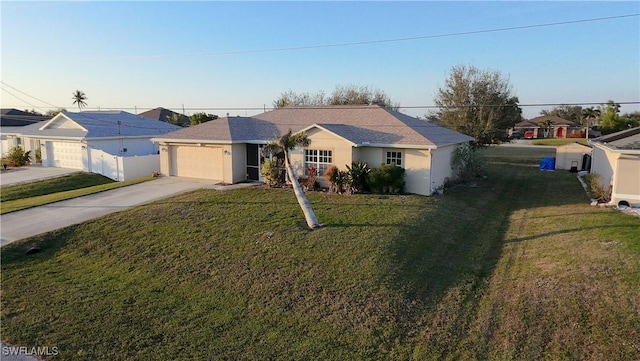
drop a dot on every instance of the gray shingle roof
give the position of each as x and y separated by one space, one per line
14 118
163 114
358 124
104 124
626 139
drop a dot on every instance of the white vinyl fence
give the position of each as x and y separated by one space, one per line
122 168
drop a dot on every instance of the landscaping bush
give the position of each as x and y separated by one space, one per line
387 178
17 157
270 172
596 189
468 162
339 181
358 172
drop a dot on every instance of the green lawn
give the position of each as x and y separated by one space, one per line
559 141
518 266
22 196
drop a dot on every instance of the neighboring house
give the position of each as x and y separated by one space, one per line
77 140
560 128
228 149
18 118
616 158
573 155
165 115
11 120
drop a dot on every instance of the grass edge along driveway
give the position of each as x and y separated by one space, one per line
517 266
55 196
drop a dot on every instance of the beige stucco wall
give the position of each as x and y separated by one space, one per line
569 153
603 163
164 159
441 165
626 182
417 164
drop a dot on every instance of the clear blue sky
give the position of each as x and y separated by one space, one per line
219 54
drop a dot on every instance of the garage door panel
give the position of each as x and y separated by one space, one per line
65 155
196 162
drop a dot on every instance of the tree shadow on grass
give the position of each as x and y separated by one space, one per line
443 258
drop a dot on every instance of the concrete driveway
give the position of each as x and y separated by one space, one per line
33 221
13 176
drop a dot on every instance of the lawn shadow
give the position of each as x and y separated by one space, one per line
48 245
444 257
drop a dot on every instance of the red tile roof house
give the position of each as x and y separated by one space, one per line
228 149
560 127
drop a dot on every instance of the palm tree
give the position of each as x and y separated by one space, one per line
285 143
79 98
547 125
589 114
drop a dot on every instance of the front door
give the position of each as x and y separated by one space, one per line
254 162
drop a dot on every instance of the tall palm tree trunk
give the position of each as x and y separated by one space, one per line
309 215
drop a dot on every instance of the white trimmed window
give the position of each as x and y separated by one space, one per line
321 159
395 157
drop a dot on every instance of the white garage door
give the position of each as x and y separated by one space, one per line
65 155
196 162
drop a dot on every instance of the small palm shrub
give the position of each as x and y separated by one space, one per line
17 157
358 172
339 181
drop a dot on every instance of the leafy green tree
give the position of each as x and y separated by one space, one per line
174 119
630 120
79 98
53 113
199 118
609 118
285 143
478 103
568 112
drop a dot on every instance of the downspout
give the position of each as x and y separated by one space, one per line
430 172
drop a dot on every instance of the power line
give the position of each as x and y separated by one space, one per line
380 41
17 97
30 96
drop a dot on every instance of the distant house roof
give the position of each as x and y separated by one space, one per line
104 124
556 121
361 125
164 115
626 139
10 117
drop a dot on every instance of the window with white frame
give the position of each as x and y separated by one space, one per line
320 159
395 157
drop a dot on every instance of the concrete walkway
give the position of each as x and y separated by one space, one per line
34 221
